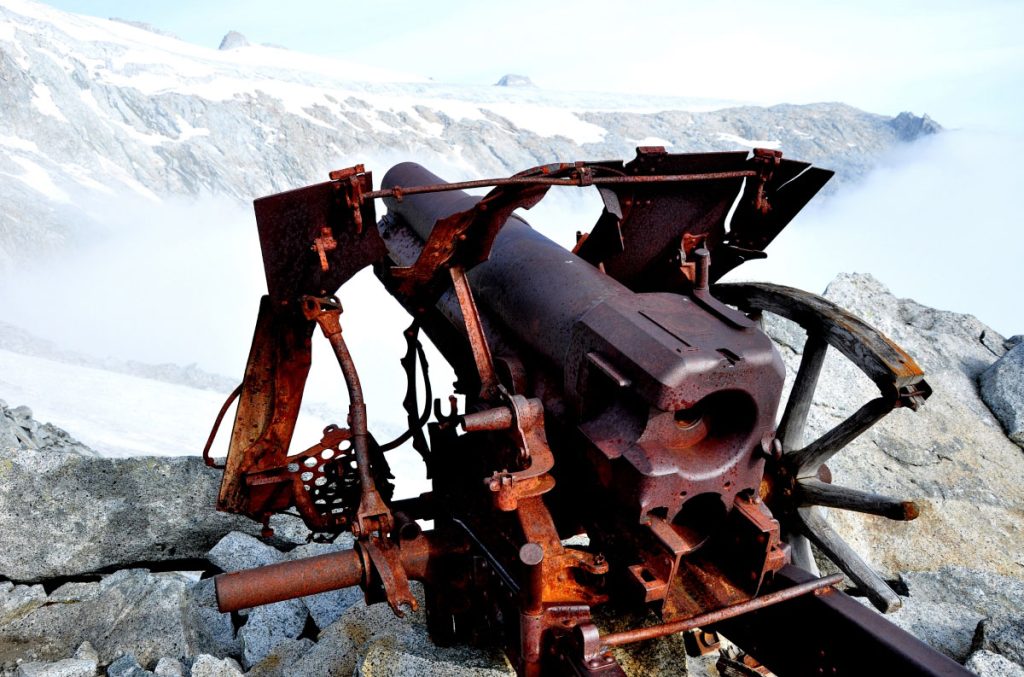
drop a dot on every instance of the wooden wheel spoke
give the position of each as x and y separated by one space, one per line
794 419
815 492
800 552
808 459
859 571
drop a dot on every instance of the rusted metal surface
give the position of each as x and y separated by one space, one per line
475 333
649 227
313 575
314 239
613 394
287 580
268 406
207 459
832 634
712 617
372 514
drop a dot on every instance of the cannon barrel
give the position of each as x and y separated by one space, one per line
532 285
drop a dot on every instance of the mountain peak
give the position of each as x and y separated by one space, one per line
909 126
233 40
513 80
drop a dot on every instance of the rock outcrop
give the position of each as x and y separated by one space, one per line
65 511
1002 389
909 126
132 610
988 664
20 432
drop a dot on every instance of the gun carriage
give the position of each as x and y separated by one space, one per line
618 446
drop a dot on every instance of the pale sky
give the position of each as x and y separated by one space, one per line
960 62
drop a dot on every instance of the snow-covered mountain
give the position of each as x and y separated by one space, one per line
94 111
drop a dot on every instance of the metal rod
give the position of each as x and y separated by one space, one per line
712 617
288 580
356 409
815 492
510 582
531 555
839 551
475 333
216 426
399 191
794 420
373 513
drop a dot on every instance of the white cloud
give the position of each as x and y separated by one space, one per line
937 222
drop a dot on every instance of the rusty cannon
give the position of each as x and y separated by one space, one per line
619 445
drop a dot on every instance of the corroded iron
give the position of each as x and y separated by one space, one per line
618 441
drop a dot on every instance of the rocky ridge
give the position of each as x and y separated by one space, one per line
111 600
17 340
20 433
65 511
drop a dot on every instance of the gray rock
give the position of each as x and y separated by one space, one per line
1002 388
962 557
910 127
208 666
987 664
283 656
17 600
127 666
268 626
207 630
131 611
1003 633
387 658
237 551
945 626
169 667
86 652
19 431
69 667
373 640
1013 340
945 607
327 607
92 513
